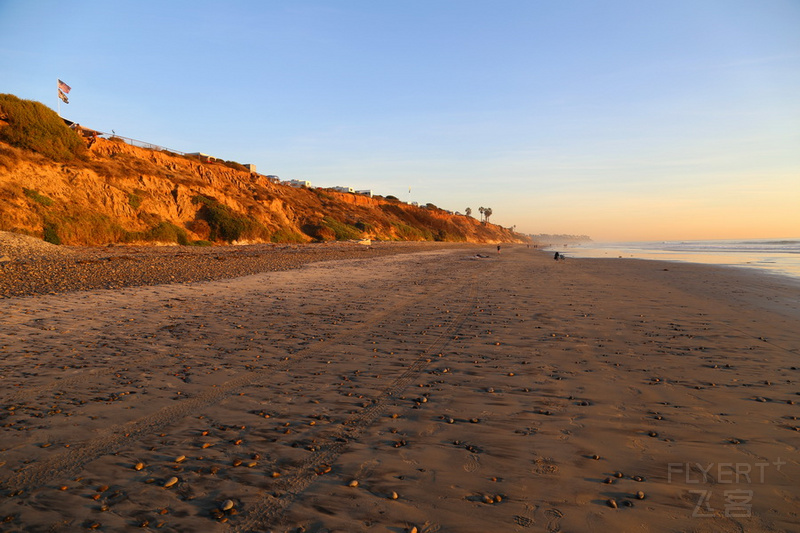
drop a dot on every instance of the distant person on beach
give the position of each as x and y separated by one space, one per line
556 256
498 248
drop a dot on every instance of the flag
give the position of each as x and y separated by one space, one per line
63 97
63 87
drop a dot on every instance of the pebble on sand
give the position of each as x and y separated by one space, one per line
489 499
170 482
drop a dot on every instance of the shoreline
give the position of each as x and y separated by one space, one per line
439 390
754 254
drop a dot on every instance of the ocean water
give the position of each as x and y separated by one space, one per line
777 256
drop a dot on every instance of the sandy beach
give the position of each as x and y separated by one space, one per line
434 391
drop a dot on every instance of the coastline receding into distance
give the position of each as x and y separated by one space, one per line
448 389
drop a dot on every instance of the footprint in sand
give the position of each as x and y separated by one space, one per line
428 527
366 468
523 521
528 518
554 517
473 463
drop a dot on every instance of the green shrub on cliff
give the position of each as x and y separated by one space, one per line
82 227
319 232
50 233
135 199
365 227
410 233
38 197
167 232
285 235
34 126
225 223
343 231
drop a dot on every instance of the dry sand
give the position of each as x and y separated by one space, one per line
438 390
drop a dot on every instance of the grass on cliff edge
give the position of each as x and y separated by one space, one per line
34 126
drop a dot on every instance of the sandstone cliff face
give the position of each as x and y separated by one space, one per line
124 193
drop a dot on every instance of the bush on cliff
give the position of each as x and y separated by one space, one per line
224 223
319 232
34 126
167 232
405 232
37 197
285 235
342 231
77 226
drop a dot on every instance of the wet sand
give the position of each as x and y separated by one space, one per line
437 390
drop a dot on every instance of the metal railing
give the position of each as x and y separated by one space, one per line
138 143
203 158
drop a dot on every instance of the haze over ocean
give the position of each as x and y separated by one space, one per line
769 255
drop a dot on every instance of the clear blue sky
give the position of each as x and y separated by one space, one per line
620 119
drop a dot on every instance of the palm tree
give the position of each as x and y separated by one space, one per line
481 210
486 214
468 211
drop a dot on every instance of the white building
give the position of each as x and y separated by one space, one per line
299 183
365 192
343 189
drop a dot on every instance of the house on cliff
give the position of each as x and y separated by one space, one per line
89 135
203 157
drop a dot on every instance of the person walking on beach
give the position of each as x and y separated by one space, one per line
498 249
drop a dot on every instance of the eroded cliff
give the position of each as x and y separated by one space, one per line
122 193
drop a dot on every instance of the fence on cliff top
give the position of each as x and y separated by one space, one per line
89 134
203 158
141 144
